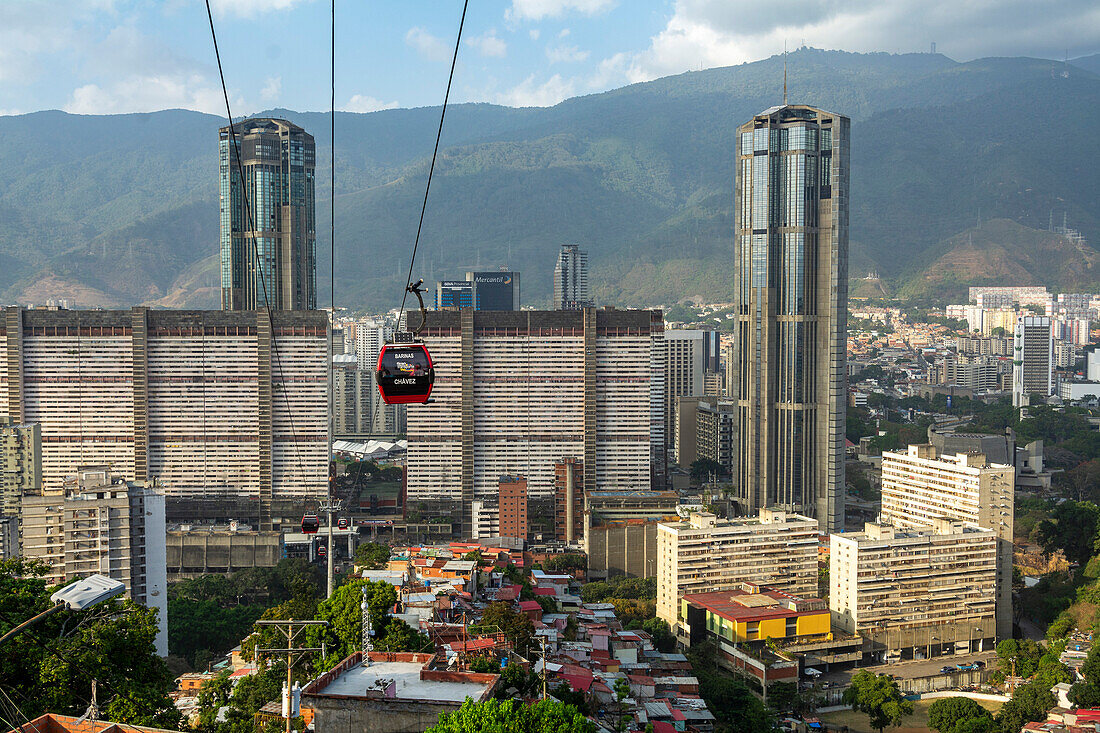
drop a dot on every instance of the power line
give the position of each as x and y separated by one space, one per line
435 152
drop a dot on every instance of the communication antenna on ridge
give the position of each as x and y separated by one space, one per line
784 73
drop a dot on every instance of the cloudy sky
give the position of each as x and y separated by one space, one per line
108 56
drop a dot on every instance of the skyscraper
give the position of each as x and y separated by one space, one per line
791 282
1032 357
571 279
278 159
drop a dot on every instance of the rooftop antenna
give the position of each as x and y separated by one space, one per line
784 73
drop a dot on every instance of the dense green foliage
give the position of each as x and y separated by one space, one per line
879 697
620 587
372 555
728 697
516 626
50 667
959 715
513 716
1029 702
645 171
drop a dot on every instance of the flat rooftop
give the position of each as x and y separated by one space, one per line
737 605
357 680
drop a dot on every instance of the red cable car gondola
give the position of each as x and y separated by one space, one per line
342 523
405 373
321 551
311 523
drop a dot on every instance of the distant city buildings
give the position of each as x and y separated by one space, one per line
1032 360
484 291
920 486
211 404
705 554
269 248
620 531
519 391
791 281
690 357
353 396
571 279
102 524
21 466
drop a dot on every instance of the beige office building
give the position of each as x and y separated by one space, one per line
916 592
103 525
920 486
703 554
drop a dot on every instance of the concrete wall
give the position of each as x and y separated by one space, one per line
621 549
350 715
190 554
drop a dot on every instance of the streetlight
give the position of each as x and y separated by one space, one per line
76 597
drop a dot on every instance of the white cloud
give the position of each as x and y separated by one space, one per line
427 45
149 94
529 93
534 33
30 31
567 54
539 9
366 103
252 8
8 112
273 87
564 33
707 33
489 45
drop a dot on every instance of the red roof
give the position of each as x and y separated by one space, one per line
472 645
725 604
529 605
1088 716
581 684
660 726
540 591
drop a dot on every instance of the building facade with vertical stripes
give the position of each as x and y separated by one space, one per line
518 391
208 403
791 283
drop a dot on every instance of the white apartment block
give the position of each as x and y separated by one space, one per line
353 394
1032 359
208 403
777 549
916 592
517 391
1021 295
106 526
920 486
683 371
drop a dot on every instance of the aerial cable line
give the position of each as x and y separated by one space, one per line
435 153
250 235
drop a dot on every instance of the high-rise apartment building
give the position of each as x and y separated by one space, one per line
715 422
791 283
353 395
21 463
705 554
516 391
1032 360
370 337
279 253
920 486
924 591
568 499
571 279
209 403
689 356
512 506
103 524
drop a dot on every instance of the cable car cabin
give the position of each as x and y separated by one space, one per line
310 524
321 551
405 374
342 523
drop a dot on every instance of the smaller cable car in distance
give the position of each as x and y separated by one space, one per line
310 524
321 551
342 523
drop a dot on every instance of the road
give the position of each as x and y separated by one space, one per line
913 668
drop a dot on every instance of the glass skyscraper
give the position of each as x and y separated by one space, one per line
571 279
791 283
278 159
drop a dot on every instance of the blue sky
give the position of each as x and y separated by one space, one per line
110 56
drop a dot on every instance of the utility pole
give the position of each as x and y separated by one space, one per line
291 628
542 646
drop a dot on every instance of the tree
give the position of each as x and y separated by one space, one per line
1029 703
568 563
702 468
879 697
1026 654
372 555
1071 529
662 635
1085 695
728 697
50 667
516 626
947 713
345 620
513 716
400 637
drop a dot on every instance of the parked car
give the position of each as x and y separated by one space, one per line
947 669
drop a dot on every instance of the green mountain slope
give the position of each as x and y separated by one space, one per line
122 209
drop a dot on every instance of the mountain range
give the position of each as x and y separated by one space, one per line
957 170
